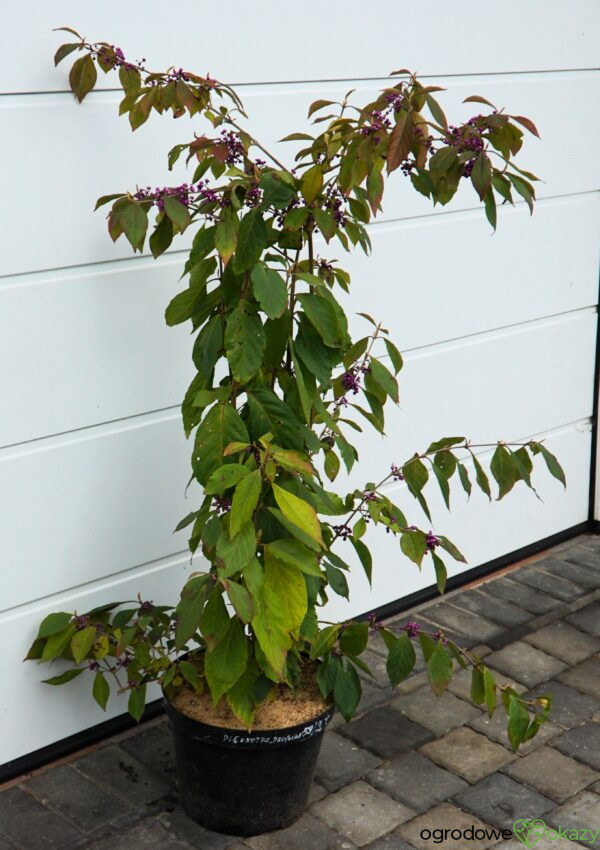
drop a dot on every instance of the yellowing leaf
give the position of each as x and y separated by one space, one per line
299 512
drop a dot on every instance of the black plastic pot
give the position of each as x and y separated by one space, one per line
245 783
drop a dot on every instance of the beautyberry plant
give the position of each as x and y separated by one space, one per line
278 383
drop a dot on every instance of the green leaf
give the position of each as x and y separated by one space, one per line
57 643
325 222
554 467
524 189
245 500
312 183
269 414
477 686
394 355
54 623
214 621
224 664
226 234
490 207
436 111
64 677
299 512
400 141
268 622
451 549
222 426
252 239
269 290
337 580
489 686
287 583
324 641
463 474
276 193
332 465
481 478
365 557
384 378
64 50
241 601
504 470
401 660
177 212
323 318
161 237
225 477
237 550
443 482
353 639
242 696
189 672
134 221
347 690
440 572
101 690
245 342
295 530
188 613
439 668
518 721
81 643
415 474
82 77
481 176
296 218
137 702
414 545
294 553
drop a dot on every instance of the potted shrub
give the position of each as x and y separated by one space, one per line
249 671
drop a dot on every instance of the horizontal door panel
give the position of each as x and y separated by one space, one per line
35 715
482 530
75 509
121 486
90 345
342 41
79 163
500 386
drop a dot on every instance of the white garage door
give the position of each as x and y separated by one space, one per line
498 332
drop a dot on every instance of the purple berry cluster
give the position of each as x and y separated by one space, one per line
235 148
374 624
81 622
335 202
411 629
397 474
379 123
351 381
395 100
343 531
186 194
253 196
432 541
222 504
468 137
146 607
93 666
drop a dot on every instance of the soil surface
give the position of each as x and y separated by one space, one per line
283 707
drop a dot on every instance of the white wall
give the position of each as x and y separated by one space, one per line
498 332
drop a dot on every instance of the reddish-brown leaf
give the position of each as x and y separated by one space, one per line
401 140
527 123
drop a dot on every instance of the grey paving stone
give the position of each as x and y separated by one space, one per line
361 813
307 832
585 555
571 570
533 576
463 622
552 774
585 677
25 822
581 743
582 812
435 828
486 604
438 714
154 748
587 619
149 835
341 761
569 706
521 595
465 640
468 754
415 781
123 775
372 696
495 729
317 792
376 663
564 641
178 826
391 841
386 732
71 795
525 663
499 800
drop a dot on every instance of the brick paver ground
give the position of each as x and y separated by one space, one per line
409 772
